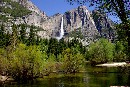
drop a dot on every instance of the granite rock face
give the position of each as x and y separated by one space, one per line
104 25
76 20
79 18
52 25
36 17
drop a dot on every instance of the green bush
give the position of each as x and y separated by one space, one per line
119 54
26 63
50 65
71 63
3 18
4 63
101 51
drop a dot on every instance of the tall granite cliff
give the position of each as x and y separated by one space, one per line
75 19
76 22
104 25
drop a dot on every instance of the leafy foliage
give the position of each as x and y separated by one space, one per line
123 36
50 65
71 63
5 37
3 62
101 51
37 57
119 54
3 18
24 63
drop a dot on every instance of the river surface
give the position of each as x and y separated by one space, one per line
92 77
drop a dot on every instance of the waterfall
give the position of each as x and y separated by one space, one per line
61 30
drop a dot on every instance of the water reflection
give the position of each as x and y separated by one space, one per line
93 77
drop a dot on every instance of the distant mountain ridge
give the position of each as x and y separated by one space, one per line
76 20
73 20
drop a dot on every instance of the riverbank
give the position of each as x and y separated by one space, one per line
5 78
114 64
92 77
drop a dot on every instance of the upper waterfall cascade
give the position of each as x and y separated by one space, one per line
61 30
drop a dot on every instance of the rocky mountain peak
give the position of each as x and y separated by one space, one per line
82 7
74 21
35 11
104 25
78 22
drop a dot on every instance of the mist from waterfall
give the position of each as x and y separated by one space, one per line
61 30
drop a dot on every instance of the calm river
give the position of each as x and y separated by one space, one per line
92 77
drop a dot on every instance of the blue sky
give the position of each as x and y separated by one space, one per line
51 7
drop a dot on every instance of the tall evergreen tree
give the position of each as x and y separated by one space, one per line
32 35
23 33
2 36
14 38
52 46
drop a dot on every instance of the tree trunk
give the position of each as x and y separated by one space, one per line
128 41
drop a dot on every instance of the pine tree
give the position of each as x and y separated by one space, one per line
23 33
32 35
2 37
14 38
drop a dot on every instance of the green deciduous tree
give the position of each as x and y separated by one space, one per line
101 51
119 53
26 63
50 64
71 62
3 62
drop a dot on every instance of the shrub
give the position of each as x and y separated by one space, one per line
119 54
26 63
49 66
3 62
101 51
71 63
